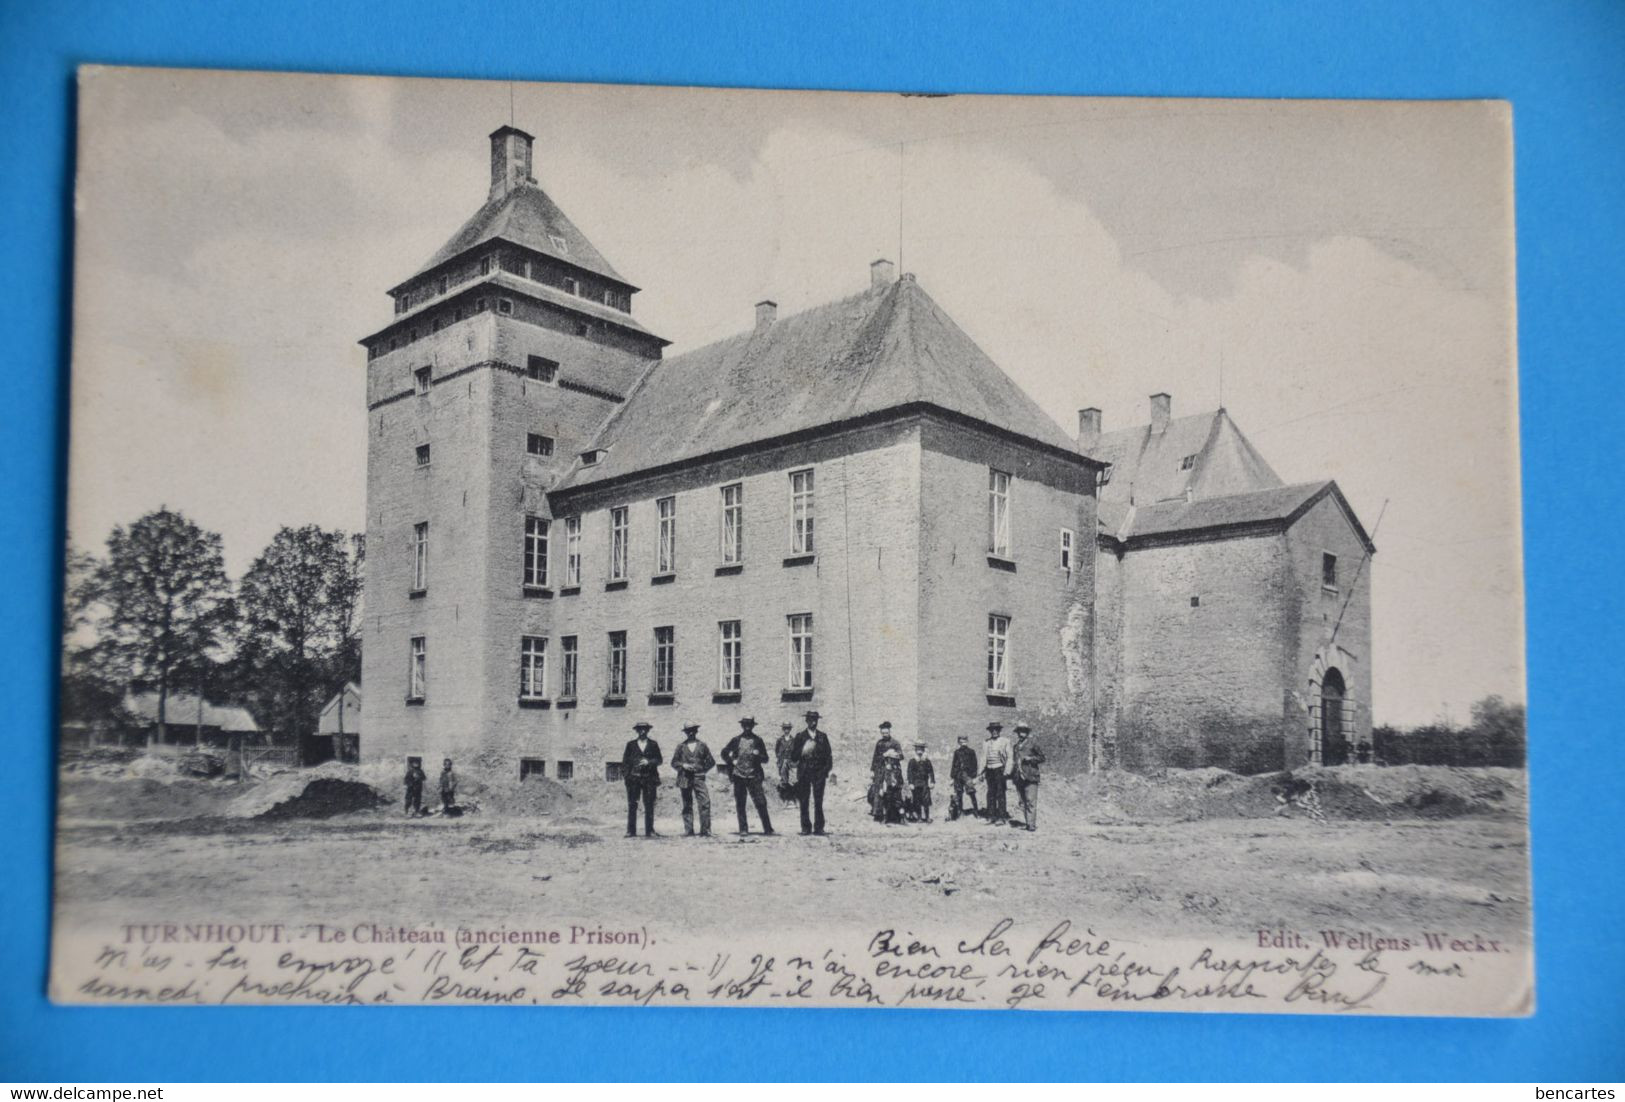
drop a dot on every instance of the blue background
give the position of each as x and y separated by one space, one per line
1561 64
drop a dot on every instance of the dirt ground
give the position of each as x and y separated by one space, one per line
1188 855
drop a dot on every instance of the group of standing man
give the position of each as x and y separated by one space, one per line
804 762
1003 762
900 789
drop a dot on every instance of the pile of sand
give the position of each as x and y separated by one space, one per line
324 798
1348 792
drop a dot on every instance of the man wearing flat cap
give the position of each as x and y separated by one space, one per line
693 761
1025 759
640 769
885 746
995 760
746 757
814 759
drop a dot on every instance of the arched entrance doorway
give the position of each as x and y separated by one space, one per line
1334 741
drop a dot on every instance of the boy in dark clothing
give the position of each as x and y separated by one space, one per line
921 776
963 773
890 799
415 778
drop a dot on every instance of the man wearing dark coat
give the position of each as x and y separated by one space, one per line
1025 760
885 745
814 759
692 761
640 769
415 778
963 772
922 775
746 756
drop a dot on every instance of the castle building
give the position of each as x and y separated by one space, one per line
851 509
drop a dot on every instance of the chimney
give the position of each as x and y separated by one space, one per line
882 274
1162 408
1088 427
510 160
767 312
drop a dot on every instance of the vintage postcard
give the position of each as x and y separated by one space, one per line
560 544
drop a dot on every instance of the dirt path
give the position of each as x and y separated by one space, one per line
1165 878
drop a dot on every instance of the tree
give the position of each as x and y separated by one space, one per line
1501 727
299 605
166 600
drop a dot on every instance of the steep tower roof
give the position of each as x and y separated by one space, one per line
519 212
1201 456
889 347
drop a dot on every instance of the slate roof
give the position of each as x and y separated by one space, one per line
180 710
525 216
1278 507
1146 466
857 356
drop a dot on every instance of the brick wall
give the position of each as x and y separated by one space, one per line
1325 528
1204 684
861 586
1050 609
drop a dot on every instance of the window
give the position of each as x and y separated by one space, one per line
666 549
1103 477
535 553
583 328
731 642
421 379
1328 570
438 324
420 556
541 369
402 304
572 550
532 767
481 305
440 288
665 683
559 243
618 536
423 455
801 651
537 444
801 512
504 305
566 770
998 654
1187 463
485 265
614 770
573 286
617 663
998 511
1067 536
733 523
532 667
568 670
417 670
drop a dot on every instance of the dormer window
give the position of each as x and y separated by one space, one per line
1187 463
402 303
1103 477
592 456
559 243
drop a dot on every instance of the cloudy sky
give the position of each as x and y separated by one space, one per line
1345 269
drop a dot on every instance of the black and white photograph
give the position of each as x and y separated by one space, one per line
563 544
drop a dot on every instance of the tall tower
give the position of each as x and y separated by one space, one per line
507 352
